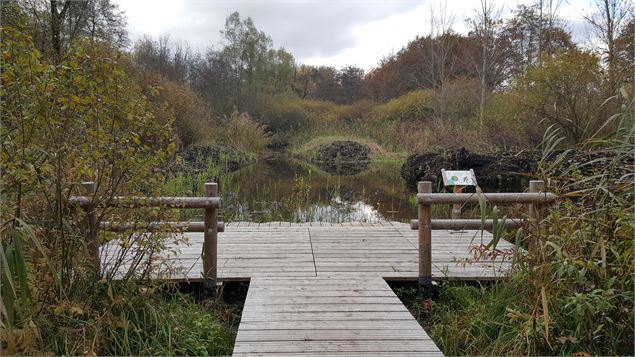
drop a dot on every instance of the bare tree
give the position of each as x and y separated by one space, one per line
547 18
610 19
438 62
484 25
440 28
55 24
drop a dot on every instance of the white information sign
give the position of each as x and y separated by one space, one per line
458 178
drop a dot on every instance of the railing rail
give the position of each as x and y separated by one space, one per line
498 198
138 202
192 226
466 223
536 199
210 226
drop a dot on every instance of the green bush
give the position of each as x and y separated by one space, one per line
193 120
160 325
567 91
457 99
573 288
505 122
414 106
357 111
286 113
242 132
82 119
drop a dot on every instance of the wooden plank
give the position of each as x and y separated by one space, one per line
370 346
386 325
332 306
334 290
286 316
327 297
386 249
346 354
328 335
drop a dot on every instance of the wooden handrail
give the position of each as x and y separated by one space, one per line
194 226
535 198
139 201
210 226
466 223
498 198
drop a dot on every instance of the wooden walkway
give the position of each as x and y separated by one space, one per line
388 250
320 288
328 316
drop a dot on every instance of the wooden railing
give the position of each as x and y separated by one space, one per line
210 226
535 199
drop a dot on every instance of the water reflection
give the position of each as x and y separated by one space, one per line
284 189
342 211
344 168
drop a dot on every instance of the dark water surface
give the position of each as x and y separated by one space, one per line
281 188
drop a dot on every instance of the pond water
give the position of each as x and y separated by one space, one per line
281 188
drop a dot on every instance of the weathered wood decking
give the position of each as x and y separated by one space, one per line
334 316
320 289
389 250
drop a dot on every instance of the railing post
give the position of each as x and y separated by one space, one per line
425 241
457 207
535 209
91 227
210 243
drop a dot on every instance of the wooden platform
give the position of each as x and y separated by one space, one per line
320 288
388 250
328 316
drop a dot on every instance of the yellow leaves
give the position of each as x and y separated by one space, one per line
109 292
581 354
79 81
7 55
171 148
7 78
69 308
135 138
124 242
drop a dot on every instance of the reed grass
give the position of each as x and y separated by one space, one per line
572 290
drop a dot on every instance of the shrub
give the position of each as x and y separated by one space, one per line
457 99
357 111
566 91
81 119
416 105
284 113
193 121
505 122
572 293
242 132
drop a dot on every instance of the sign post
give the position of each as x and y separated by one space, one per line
458 180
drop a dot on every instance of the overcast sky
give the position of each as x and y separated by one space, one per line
334 33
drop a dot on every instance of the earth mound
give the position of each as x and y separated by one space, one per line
497 172
343 157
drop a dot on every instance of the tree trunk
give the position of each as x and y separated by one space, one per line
57 17
610 43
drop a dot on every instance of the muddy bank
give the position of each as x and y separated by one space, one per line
505 171
198 158
343 157
499 172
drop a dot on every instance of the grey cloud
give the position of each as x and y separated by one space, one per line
306 29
